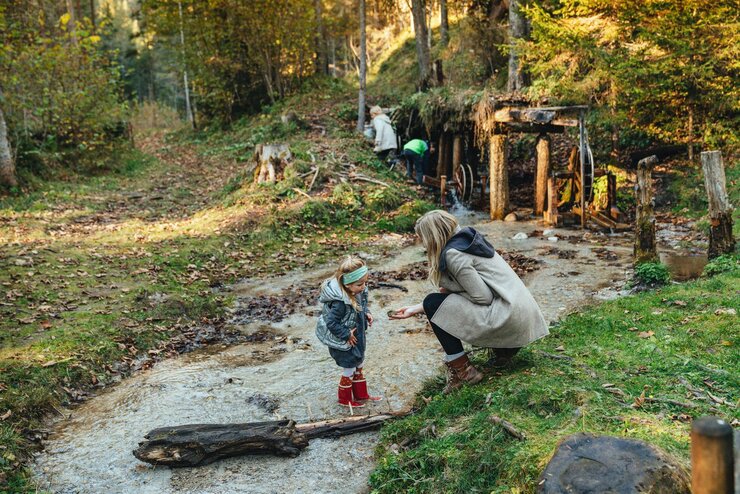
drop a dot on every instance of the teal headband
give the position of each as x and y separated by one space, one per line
355 275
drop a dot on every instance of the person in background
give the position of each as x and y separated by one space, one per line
385 136
416 155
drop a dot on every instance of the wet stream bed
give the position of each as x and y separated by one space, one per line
284 372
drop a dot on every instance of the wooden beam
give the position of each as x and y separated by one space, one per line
533 115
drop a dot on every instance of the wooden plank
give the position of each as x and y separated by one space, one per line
532 115
542 172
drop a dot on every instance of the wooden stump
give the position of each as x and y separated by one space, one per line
645 248
543 171
721 240
272 160
499 177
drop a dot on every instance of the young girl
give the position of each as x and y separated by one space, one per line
342 325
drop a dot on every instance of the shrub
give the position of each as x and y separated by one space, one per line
652 274
722 264
383 199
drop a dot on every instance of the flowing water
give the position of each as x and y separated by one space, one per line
288 373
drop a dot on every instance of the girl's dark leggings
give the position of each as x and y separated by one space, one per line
450 344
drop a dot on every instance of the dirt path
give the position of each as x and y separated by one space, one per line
286 372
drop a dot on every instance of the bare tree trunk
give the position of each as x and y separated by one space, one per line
333 51
721 240
7 165
92 15
418 11
457 154
72 24
322 65
517 31
645 249
444 26
188 108
691 133
363 70
499 176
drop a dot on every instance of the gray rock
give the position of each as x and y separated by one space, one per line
588 464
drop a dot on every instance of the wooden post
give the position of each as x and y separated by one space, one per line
441 155
442 187
711 456
457 154
551 215
482 190
721 240
543 170
498 176
582 157
645 249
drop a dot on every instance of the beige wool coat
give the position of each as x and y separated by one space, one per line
489 305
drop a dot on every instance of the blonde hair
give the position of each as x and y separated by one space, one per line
435 228
349 264
375 111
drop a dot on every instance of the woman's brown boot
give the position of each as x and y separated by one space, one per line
461 371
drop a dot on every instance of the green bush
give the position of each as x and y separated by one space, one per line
651 274
344 196
383 199
722 264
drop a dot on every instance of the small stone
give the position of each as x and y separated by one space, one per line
553 239
511 217
520 236
547 233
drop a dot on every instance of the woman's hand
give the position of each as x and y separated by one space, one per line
352 340
443 290
370 319
407 312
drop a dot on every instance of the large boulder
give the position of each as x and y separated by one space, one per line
588 464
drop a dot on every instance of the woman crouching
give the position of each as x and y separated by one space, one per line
481 300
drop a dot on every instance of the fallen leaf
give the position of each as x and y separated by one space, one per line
49 363
722 310
6 415
679 303
561 348
646 334
633 328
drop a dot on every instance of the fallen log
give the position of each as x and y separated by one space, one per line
200 444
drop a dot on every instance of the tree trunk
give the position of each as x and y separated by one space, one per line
543 171
93 16
499 177
517 31
72 24
188 107
322 64
333 52
645 249
7 166
418 11
363 70
721 240
444 26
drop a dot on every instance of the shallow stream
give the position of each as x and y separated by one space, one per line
288 373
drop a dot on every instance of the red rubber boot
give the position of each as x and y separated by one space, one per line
359 388
345 393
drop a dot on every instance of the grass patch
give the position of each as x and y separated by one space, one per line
629 357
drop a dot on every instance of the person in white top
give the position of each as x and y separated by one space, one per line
385 136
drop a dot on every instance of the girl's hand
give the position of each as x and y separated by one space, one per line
352 340
370 319
407 312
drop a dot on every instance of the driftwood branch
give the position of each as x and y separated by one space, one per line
508 427
200 444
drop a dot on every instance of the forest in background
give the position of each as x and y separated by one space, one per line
73 72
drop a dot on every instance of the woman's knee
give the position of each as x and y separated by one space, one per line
432 302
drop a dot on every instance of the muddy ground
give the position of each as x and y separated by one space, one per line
286 372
